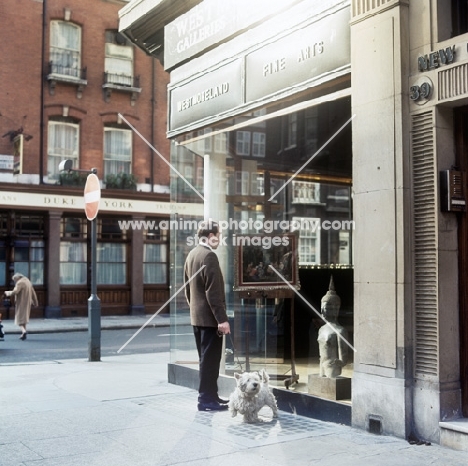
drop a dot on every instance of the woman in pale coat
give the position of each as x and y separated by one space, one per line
25 296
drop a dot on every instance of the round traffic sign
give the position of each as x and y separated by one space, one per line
92 196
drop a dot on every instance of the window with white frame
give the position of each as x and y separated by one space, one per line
111 253
73 251
117 151
155 263
204 144
309 239
155 255
258 144
62 144
65 48
243 142
242 182
118 63
72 263
258 184
220 140
111 264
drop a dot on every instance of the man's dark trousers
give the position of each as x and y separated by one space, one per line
209 346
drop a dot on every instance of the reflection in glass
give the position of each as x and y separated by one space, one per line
284 172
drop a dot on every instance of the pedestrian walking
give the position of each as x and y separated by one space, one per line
25 297
206 298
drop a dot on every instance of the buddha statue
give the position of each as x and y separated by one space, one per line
332 337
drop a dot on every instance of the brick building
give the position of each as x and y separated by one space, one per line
70 85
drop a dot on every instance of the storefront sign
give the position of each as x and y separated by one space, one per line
207 95
421 90
301 56
435 59
6 162
76 203
211 22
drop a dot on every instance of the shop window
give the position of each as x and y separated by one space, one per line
109 228
118 63
111 264
155 263
117 151
74 228
265 196
73 263
111 253
28 258
73 251
258 144
65 49
155 254
63 144
28 247
243 142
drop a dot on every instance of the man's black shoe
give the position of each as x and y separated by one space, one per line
211 406
222 402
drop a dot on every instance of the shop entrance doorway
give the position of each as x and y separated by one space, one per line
461 141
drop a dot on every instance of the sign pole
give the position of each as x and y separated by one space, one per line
94 304
92 196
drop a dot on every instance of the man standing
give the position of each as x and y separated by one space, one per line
206 298
25 297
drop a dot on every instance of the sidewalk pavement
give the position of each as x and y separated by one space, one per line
78 324
121 411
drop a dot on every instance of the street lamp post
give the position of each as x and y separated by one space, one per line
92 196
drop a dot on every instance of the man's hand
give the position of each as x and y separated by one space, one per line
224 328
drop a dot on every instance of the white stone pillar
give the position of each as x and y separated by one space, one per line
216 208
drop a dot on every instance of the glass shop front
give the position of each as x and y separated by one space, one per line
279 181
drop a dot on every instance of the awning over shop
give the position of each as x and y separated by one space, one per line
143 21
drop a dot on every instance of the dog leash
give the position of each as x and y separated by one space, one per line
235 352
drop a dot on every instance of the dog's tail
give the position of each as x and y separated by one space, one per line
264 376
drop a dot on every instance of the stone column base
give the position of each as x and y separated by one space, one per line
332 389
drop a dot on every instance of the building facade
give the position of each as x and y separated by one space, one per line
349 116
72 89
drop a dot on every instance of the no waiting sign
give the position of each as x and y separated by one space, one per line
92 196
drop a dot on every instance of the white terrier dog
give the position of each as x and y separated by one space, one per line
251 395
